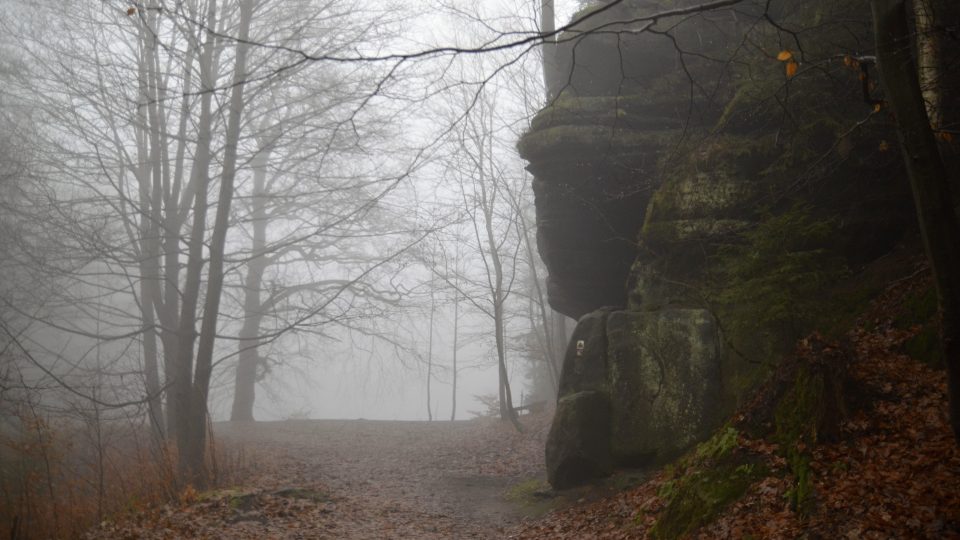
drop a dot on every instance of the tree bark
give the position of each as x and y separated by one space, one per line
928 57
168 313
456 334
548 26
928 179
433 310
506 397
194 452
248 356
183 403
149 180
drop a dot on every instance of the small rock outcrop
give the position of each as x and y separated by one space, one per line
578 446
593 153
637 388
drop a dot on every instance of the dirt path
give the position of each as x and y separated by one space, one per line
359 479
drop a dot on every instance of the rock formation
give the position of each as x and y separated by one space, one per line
649 191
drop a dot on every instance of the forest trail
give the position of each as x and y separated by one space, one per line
891 472
415 479
361 479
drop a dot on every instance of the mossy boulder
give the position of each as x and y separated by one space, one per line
585 362
648 383
595 151
578 445
594 170
664 373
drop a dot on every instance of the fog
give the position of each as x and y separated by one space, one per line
73 303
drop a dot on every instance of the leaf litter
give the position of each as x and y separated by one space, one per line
894 472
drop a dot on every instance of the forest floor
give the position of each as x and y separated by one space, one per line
361 479
894 472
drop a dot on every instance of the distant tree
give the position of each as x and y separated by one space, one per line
148 115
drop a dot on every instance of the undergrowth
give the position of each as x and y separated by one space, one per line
60 476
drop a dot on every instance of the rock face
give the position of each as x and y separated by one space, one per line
636 388
679 204
664 373
593 153
578 446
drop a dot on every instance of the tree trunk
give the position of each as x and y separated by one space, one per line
197 429
433 309
150 203
547 318
184 404
248 357
549 49
456 334
928 180
506 397
928 58
151 367
168 314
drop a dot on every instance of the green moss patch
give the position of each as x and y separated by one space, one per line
586 140
705 482
797 417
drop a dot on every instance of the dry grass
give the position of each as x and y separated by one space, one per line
60 478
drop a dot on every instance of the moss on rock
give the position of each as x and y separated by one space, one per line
703 484
664 372
578 445
585 139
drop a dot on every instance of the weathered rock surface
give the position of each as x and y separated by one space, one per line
664 373
636 388
663 196
594 153
594 172
578 446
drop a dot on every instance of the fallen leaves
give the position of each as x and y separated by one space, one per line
356 479
894 472
791 65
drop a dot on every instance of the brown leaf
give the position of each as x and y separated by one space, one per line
792 67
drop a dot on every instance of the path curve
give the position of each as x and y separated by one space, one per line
384 479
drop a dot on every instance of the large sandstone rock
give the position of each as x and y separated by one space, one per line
664 373
636 387
593 174
578 445
585 362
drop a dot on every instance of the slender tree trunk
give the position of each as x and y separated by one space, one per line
549 49
928 179
928 57
456 334
433 309
173 222
150 205
248 356
190 468
197 430
151 367
506 397
540 300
